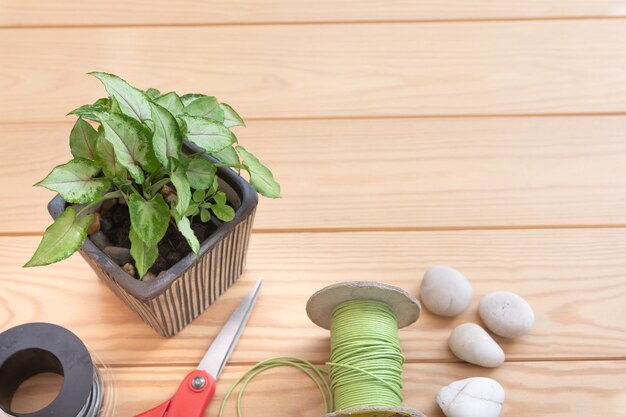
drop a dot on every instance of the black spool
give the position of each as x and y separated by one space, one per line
35 348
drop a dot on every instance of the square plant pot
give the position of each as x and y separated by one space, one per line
177 296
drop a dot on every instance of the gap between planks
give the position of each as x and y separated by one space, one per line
408 362
377 117
310 23
396 229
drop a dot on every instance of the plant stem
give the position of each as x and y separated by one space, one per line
108 196
133 189
158 185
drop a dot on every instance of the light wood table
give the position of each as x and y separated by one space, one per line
487 135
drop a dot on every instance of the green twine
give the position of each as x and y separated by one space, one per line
366 361
315 373
365 366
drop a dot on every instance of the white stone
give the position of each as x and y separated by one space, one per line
472 397
506 314
445 291
472 343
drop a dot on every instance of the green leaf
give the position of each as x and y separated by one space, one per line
231 118
144 255
183 161
89 111
207 107
183 192
74 181
129 138
198 196
133 102
167 139
227 156
114 106
153 93
213 188
188 98
171 102
261 177
223 212
62 238
105 158
185 229
157 186
205 215
219 197
192 210
83 140
149 219
200 173
149 124
208 134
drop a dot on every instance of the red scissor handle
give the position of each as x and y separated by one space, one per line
191 399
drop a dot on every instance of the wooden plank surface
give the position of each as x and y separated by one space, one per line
304 71
542 388
572 278
551 389
486 135
162 12
405 173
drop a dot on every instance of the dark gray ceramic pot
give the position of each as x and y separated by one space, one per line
179 295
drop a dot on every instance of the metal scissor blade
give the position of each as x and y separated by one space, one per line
218 354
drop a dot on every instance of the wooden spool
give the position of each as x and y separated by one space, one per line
406 308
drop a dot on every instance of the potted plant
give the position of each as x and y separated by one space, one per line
152 200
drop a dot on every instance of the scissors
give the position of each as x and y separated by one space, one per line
197 389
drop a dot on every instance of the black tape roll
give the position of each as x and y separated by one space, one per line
35 348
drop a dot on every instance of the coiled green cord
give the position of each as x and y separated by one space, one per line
365 366
366 361
315 373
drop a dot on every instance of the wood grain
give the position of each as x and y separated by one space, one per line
404 173
162 12
36 393
486 135
551 389
304 71
574 279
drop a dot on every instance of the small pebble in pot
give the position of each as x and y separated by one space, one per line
472 343
149 277
129 269
100 240
95 224
118 255
445 291
108 204
506 314
168 194
472 397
